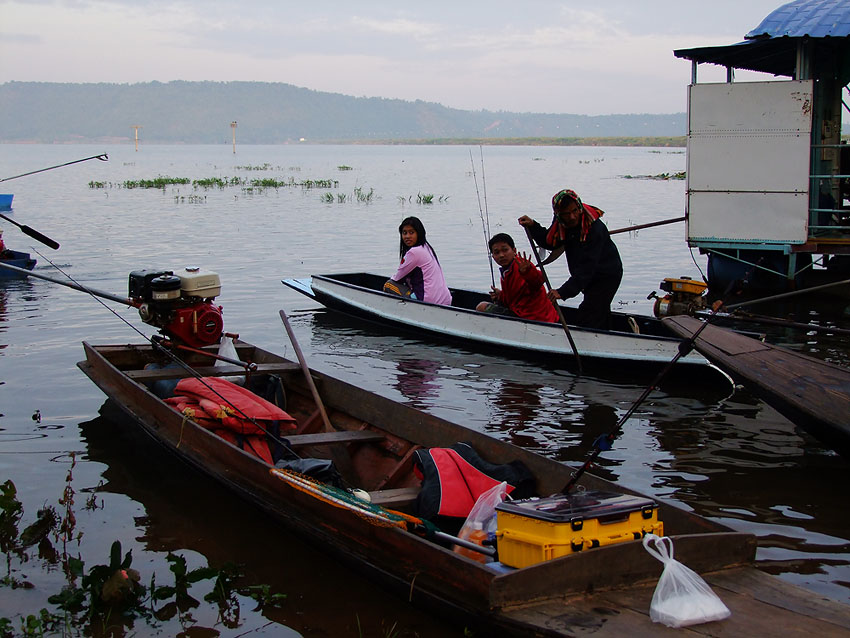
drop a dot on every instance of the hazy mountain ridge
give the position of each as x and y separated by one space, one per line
275 113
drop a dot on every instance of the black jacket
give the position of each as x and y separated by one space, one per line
590 261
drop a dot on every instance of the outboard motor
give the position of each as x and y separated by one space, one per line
684 297
179 304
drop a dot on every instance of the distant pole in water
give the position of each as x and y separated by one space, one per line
136 128
233 127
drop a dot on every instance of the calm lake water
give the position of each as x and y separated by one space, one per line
721 453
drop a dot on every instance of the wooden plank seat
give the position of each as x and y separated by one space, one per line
398 497
331 438
224 370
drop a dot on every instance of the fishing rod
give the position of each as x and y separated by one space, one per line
484 226
103 157
32 232
554 302
604 442
484 187
158 342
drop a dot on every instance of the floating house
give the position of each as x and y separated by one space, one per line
768 178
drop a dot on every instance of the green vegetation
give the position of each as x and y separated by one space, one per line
262 167
343 167
157 182
107 599
422 198
661 176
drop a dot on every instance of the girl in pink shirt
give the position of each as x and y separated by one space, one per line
419 268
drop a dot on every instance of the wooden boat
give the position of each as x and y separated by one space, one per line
604 591
635 343
17 259
812 393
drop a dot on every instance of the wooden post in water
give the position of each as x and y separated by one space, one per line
136 127
233 127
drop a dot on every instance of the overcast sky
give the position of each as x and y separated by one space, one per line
589 57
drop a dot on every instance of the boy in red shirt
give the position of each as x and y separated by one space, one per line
522 294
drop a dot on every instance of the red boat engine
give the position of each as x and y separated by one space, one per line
179 304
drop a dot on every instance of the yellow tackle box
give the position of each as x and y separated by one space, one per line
534 530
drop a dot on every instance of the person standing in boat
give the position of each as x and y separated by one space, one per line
522 293
592 257
419 269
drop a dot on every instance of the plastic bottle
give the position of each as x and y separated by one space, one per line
475 535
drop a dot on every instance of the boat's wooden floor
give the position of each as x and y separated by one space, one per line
761 605
803 388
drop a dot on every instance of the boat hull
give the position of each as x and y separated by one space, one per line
17 259
601 351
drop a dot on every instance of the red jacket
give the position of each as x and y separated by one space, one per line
525 295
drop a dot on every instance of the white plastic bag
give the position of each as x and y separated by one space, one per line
481 522
681 597
227 348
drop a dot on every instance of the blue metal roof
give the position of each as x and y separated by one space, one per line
813 18
771 46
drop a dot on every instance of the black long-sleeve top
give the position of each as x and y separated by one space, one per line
594 259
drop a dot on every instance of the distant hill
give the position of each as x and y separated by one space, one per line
276 113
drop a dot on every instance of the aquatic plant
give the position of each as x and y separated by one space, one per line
158 182
104 599
364 198
659 176
343 167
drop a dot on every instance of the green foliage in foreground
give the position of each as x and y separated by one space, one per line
109 598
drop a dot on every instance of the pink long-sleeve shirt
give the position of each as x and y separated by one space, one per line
436 290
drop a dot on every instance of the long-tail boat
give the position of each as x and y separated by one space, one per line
373 441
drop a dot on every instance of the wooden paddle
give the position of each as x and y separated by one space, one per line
555 303
340 456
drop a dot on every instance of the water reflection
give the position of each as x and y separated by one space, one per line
417 381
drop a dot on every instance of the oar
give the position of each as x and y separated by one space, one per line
554 302
103 157
306 370
32 232
340 457
560 250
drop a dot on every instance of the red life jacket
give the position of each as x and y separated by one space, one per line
233 406
453 479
